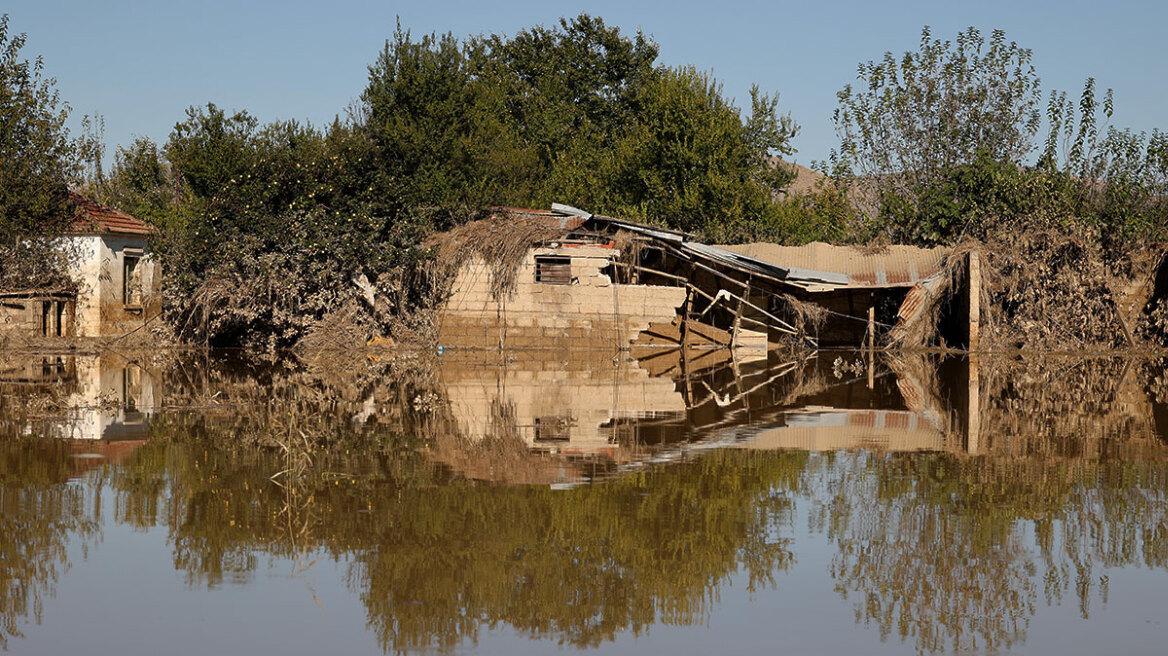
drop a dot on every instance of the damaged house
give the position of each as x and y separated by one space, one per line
601 282
117 283
563 288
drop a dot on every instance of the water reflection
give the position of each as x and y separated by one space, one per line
107 397
958 499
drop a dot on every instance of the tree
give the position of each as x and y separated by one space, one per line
37 157
689 160
577 113
141 182
571 90
924 112
927 135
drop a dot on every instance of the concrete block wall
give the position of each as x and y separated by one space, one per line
589 313
584 398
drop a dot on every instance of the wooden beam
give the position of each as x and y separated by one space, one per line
651 271
973 419
871 328
786 327
975 301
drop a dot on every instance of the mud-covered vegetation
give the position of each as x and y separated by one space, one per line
264 228
270 233
953 143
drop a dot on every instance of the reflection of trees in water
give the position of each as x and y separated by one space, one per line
579 565
434 558
946 551
949 581
40 514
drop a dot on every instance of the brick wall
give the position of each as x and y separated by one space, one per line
572 400
589 313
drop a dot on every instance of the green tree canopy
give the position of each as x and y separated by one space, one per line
578 113
37 156
937 144
923 112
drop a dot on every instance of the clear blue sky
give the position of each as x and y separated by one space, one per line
141 64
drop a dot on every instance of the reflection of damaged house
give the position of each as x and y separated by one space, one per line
602 282
91 397
117 280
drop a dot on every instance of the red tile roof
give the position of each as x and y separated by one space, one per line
91 217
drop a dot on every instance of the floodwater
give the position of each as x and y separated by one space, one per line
524 503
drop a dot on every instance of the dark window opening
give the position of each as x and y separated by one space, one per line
53 319
132 281
131 387
553 429
553 270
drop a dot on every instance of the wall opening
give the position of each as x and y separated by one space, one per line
553 429
553 270
132 280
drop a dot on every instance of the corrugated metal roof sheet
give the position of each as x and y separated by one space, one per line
913 308
893 266
94 218
816 267
718 254
665 234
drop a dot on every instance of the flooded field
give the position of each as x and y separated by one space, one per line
523 503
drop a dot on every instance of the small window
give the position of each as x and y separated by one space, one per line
131 388
553 429
132 280
553 270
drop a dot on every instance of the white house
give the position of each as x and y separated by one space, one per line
118 282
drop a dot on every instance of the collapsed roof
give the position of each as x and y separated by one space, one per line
814 267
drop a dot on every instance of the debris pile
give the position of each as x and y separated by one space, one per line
413 295
1060 291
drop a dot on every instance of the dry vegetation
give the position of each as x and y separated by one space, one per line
1057 291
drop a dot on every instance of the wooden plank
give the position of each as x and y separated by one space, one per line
783 326
738 318
973 427
711 333
651 271
871 328
975 300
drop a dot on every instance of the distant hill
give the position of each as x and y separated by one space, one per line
805 178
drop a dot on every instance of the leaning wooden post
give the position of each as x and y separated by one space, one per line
871 328
973 422
738 314
871 347
974 300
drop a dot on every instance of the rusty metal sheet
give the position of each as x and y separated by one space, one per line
846 266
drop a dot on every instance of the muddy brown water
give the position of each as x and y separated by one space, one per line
526 502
